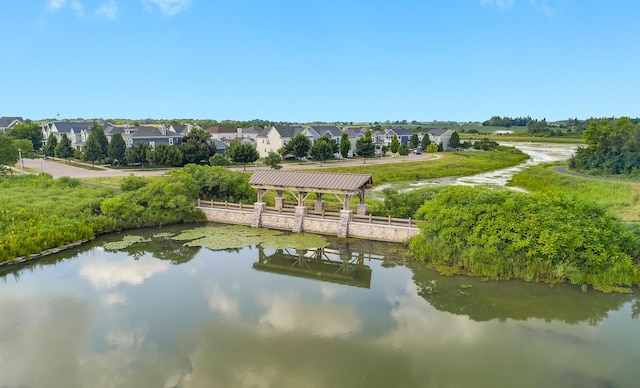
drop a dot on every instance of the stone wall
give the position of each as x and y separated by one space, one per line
312 225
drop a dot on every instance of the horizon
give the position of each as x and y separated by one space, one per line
330 61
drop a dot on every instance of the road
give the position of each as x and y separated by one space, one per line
58 169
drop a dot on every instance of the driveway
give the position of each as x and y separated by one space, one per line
57 169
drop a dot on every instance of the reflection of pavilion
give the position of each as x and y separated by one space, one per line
324 264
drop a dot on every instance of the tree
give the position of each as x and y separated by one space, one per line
454 141
219 160
299 146
365 146
345 144
425 142
395 145
414 142
242 153
322 149
30 131
403 150
431 148
8 152
273 160
165 155
137 154
64 149
117 148
194 150
92 150
98 132
199 133
49 148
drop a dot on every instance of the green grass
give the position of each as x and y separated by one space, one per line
450 164
622 198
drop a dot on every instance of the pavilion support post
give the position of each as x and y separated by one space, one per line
279 200
347 202
343 223
300 214
261 193
361 209
319 204
256 217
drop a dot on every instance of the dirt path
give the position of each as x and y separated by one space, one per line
563 170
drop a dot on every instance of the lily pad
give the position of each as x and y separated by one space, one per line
126 242
233 237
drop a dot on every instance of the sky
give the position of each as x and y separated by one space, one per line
320 60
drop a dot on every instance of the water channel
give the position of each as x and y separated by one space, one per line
159 313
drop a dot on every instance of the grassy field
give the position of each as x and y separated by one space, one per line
622 198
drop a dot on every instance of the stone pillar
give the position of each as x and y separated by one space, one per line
256 217
301 212
279 203
361 209
343 223
318 205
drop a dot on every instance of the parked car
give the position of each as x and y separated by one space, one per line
416 151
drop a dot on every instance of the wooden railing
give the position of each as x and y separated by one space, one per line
224 205
290 209
369 219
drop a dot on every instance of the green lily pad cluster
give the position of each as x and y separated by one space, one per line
233 237
126 242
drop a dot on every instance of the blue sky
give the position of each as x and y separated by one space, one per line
320 60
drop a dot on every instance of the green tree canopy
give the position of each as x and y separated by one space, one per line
8 152
345 144
414 142
64 148
299 146
117 148
219 160
273 160
195 150
49 148
242 153
365 147
137 154
454 141
424 143
28 130
165 155
432 148
395 145
403 150
322 150
98 133
92 150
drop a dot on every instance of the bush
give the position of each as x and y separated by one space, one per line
132 183
504 234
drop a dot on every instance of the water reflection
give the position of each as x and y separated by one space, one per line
483 300
340 266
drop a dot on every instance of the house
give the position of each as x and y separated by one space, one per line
182 130
251 133
440 136
221 132
77 132
6 123
354 134
404 135
272 138
150 136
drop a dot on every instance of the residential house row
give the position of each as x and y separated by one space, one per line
6 123
269 139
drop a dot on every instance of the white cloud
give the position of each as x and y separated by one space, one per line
108 10
289 314
170 7
222 303
77 8
543 6
113 299
109 274
56 4
499 4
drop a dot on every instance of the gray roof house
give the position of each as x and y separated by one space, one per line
77 131
403 135
6 123
440 136
272 138
150 136
181 129
252 132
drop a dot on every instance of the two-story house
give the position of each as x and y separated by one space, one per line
6 123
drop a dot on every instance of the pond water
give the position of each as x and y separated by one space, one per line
354 314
